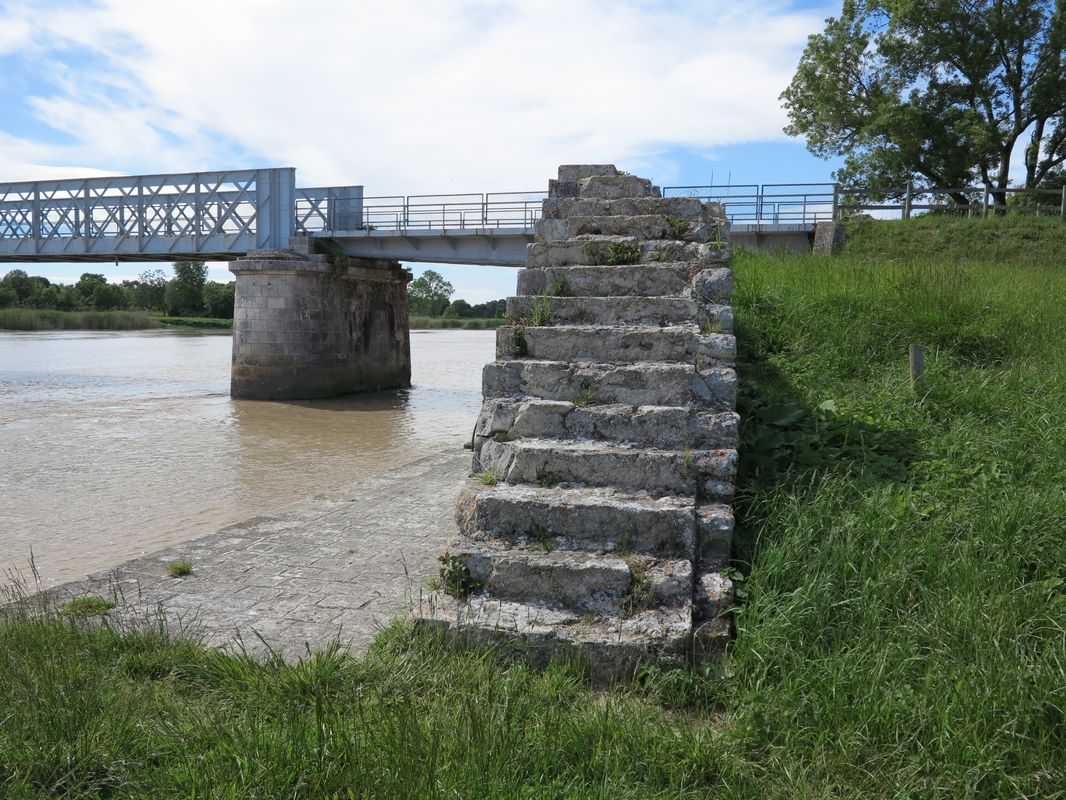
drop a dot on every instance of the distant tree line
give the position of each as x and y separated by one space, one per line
429 295
187 294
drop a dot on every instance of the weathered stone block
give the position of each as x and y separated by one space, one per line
615 187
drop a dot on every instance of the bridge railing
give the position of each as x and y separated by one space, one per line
439 212
962 200
147 217
767 203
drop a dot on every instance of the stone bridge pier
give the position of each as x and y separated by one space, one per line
306 328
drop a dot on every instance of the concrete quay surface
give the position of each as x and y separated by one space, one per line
337 568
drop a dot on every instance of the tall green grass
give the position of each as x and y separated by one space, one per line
902 624
901 627
28 319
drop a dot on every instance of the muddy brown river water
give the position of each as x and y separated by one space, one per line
116 444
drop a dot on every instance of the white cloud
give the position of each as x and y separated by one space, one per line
406 96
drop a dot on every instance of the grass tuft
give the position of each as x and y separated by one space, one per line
179 569
88 605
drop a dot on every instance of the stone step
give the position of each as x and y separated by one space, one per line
675 279
584 384
639 226
615 187
659 311
591 463
579 518
713 598
622 250
664 427
714 536
638 280
589 582
612 646
686 208
616 344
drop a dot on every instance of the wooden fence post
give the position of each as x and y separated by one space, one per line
917 363
907 201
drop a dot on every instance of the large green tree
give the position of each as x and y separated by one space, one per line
184 295
429 294
940 91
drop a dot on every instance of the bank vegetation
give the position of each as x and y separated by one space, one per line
901 619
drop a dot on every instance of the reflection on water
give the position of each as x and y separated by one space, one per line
116 444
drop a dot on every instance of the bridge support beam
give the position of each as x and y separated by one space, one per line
305 328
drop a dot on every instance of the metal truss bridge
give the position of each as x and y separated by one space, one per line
219 216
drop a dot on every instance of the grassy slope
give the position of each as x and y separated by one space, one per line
901 632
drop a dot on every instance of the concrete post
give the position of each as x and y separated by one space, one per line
304 328
907 201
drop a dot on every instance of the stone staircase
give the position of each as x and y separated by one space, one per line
597 520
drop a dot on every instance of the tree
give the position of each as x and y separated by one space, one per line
459 309
19 282
218 299
935 89
149 291
108 296
184 295
428 294
8 296
87 284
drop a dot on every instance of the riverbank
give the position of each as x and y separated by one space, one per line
30 319
438 323
900 566
33 319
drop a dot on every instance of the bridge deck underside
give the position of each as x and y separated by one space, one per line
487 246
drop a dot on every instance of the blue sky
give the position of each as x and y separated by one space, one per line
404 98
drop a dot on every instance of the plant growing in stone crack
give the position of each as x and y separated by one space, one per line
658 256
679 228
540 312
594 252
547 481
711 325
581 313
454 578
519 345
180 568
619 253
560 288
688 459
539 539
586 397
89 605
641 594
489 477
337 259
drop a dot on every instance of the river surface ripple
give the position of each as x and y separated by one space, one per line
117 444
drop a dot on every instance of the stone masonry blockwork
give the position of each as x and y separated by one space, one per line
304 329
597 521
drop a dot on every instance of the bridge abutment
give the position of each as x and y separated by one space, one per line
305 328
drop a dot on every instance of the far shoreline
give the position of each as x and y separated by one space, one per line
31 319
